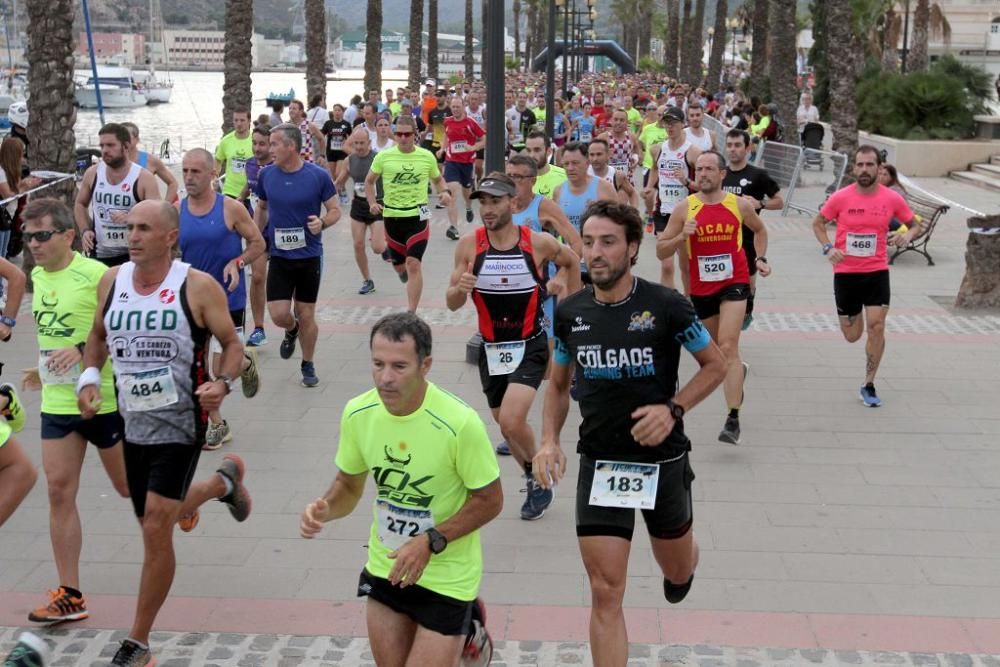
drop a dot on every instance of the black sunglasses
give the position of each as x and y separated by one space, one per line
41 237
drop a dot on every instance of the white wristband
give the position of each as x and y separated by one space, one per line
90 376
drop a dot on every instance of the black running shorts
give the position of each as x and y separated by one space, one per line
361 212
531 370
434 611
855 291
670 519
166 470
406 237
294 278
708 306
102 431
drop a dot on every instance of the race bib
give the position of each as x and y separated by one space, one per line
336 144
149 390
425 213
359 189
714 268
504 358
860 245
670 195
619 484
114 235
289 238
239 165
619 166
397 525
48 376
586 137
458 147
254 199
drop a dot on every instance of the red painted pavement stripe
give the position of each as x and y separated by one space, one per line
649 626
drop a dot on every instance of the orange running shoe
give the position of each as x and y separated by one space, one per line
189 523
61 607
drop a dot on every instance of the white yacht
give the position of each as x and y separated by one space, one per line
118 90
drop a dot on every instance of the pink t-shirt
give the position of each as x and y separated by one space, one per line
863 226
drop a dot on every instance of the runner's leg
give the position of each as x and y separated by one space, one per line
852 326
17 476
258 283
513 420
875 345
62 460
677 558
305 313
159 562
281 313
414 283
606 561
390 634
376 235
113 460
360 258
433 648
729 324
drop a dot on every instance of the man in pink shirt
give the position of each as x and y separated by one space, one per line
859 256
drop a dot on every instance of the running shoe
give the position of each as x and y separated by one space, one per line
676 592
468 215
14 412
869 397
731 431
132 654
502 448
440 206
238 500
257 337
215 435
309 378
343 198
250 378
452 232
30 651
649 225
62 606
367 287
478 650
536 502
189 522
387 255
287 348
403 276
747 321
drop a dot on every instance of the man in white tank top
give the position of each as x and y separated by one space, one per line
158 314
108 191
695 133
669 181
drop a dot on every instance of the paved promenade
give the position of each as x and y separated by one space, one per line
834 535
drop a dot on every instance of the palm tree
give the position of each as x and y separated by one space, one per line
373 46
673 40
684 53
469 57
432 39
927 18
238 58
516 8
315 48
696 42
758 55
645 26
416 45
783 60
843 105
718 45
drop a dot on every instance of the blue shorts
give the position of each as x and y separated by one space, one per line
458 172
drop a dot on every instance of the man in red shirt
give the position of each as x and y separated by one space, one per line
859 256
599 113
709 225
462 138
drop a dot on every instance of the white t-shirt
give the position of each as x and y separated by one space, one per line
318 116
11 206
806 115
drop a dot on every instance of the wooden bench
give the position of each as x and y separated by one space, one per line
927 212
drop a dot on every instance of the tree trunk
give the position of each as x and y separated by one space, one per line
697 37
539 35
432 39
843 111
315 48
470 61
516 8
673 41
531 15
373 46
783 62
718 53
917 58
758 55
238 59
684 52
416 46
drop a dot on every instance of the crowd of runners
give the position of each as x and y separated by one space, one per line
139 301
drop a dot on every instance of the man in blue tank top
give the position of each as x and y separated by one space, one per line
212 231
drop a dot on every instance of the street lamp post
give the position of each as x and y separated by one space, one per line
733 24
550 72
494 76
561 4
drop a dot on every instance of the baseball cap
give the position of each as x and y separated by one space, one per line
440 91
495 187
430 82
673 113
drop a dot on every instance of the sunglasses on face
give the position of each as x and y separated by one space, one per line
404 134
41 237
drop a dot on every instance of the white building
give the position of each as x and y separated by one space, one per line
201 47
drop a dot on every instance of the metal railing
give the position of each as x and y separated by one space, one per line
807 176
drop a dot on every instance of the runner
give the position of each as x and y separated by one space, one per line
434 135
597 157
759 189
383 135
580 190
502 267
363 221
162 396
624 152
232 153
312 138
463 137
64 302
863 212
17 472
213 230
671 181
709 224
522 121
653 133
406 170
476 110
424 555
695 133
151 163
108 191
258 267
624 336
337 131
539 147
292 193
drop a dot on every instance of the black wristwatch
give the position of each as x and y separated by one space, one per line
676 411
438 542
228 382
761 259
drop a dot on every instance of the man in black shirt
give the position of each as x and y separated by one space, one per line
624 334
757 187
337 131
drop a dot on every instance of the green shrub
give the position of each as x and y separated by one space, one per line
975 80
650 64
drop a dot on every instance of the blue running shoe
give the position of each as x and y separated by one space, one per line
257 337
502 448
536 502
869 397
309 378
